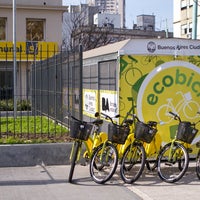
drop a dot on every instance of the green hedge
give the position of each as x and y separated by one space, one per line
8 105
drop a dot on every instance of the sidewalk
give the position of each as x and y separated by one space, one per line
150 187
50 183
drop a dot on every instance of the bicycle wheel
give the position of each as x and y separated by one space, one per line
133 162
198 165
74 154
103 163
173 162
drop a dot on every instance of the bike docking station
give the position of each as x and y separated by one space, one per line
154 81
149 77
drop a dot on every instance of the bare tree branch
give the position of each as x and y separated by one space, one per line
77 31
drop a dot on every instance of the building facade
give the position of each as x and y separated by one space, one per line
107 20
38 28
186 19
112 7
83 24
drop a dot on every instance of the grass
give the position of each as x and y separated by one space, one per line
30 129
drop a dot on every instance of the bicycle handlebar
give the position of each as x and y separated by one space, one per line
176 116
108 117
149 123
126 122
134 116
96 122
70 115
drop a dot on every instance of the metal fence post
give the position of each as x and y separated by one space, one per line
81 83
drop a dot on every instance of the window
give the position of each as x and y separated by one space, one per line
6 80
2 28
107 75
183 4
184 29
191 2
190 27
35 29
90 77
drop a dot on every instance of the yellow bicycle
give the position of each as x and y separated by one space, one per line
173 158
105 157
134 157
87 133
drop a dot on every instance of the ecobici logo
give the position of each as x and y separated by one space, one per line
173 86
151 47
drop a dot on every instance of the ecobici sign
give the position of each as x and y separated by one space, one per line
172 86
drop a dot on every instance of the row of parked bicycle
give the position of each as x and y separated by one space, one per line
131 144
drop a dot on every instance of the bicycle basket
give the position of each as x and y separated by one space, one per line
117 134
80 130
144 132
186 132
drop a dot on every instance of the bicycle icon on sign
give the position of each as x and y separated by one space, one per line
188 106
130 71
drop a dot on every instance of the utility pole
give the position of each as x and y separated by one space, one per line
194 20
14 59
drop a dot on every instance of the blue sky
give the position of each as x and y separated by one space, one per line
162 9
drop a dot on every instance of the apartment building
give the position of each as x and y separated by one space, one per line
112 7
38 28
186 12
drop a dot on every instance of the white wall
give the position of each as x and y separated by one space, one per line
53 18
100 19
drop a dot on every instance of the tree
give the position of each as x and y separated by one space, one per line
78 28
91 37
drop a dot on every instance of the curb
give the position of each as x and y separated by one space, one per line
22 155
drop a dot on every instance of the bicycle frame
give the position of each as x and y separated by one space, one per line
120 147
89 144
171 152
155 145
88 149
134 155
153 148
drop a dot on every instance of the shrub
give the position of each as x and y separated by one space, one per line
8 105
